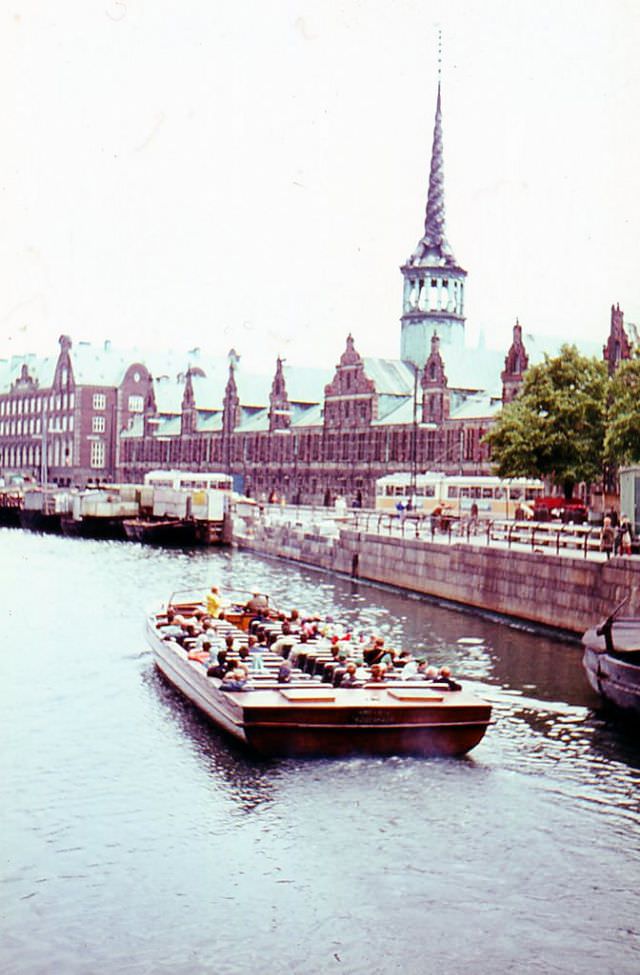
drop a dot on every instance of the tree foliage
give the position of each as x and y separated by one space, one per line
555 428
622 443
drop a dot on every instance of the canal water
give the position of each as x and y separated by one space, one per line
136 839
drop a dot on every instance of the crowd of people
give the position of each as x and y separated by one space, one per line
287 647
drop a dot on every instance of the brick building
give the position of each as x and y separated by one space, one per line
304 433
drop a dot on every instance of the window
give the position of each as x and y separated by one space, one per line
97 454
99 401
97 424
136 404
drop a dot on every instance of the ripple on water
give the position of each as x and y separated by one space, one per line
139 839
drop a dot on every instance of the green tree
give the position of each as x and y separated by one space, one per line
555 428
622 443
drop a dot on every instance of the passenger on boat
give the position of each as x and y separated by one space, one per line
220 669
261 635
201 654
444 677
431 673
285 641
297 649
170 631
235 680
284 672
214 601
168 621
350 678
189 634
378 674
258 604
256 662
374 653
409 670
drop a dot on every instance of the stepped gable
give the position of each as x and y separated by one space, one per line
436 400
618 346
516 364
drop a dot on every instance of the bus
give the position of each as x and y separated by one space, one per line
458 494
190 480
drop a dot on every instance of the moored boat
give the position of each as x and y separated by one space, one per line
612 661
161 531
306 717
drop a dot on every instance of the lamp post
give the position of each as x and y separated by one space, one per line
414 435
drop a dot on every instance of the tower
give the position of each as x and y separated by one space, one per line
433 298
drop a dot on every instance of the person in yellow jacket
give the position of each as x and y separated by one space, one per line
214 602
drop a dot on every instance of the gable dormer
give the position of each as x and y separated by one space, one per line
436 398
515 365
279 406
350 399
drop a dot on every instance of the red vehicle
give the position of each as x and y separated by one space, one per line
558 508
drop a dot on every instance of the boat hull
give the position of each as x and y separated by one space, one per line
92 527
39 521
169 533
616 680
364 721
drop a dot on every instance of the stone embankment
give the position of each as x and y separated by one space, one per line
566 593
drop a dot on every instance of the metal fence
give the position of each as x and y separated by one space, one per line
550 537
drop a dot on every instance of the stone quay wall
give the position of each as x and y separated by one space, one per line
565 593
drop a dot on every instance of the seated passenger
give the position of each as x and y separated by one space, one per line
219 670
378 674
200 653
444 677
374 652
235 680
410 669
350 678
430 673
284 672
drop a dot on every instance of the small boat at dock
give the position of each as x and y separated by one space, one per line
308 717
612 661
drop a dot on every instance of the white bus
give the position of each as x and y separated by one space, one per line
190 480
489 497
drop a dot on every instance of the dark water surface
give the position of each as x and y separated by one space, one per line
136 839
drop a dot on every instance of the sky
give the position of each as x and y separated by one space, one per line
253 174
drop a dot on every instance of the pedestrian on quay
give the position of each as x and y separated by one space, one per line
624 536
607 537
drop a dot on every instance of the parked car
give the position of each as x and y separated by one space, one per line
558 508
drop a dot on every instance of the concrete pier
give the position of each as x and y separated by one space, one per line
564 592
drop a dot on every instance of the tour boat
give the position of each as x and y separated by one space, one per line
308 718
612 661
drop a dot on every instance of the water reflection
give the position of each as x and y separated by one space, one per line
121 802
249 780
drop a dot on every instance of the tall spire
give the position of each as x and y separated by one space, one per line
434 232
433 295
434 241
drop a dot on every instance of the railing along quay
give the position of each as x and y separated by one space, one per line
549 537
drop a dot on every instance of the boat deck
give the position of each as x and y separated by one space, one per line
307 716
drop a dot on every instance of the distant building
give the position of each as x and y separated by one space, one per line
94 414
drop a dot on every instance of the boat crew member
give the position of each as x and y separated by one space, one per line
214 601
258 604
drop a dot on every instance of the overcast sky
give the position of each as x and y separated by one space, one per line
253 173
